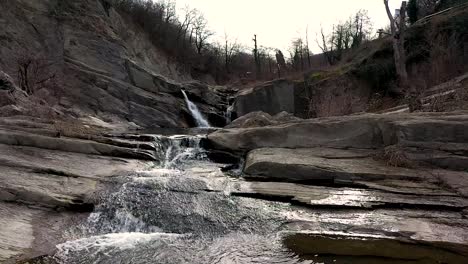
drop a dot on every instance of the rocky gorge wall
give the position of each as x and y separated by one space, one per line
333 96
102 64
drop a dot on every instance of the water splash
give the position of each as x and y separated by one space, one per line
196 114
175 150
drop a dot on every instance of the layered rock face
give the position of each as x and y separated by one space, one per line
330 147
49 182
103 64
408 167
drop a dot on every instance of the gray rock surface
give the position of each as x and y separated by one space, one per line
271 97
420 213
384 177
366 131
353 131
346 167
321 164
46 182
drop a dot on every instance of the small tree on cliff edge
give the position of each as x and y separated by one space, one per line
257 57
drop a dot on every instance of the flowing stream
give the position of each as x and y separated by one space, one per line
183 209
178 211
196 114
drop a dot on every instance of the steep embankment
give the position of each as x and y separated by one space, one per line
365 78
83 58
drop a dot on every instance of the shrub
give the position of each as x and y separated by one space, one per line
395 156
35 73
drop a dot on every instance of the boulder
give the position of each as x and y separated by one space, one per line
253 119
10 94
270 97
284 117
6 82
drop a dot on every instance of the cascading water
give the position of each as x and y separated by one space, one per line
228 114
196 114
177 149
179 211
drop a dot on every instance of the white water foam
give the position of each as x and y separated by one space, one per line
197 115
105 245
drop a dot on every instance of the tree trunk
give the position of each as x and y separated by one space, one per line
404 86
398 47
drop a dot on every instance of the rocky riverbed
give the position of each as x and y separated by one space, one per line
302 194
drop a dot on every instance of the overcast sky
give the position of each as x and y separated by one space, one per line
277 22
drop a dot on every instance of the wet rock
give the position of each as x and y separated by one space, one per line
46 180
349 198
28 232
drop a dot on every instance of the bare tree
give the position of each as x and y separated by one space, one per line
327 46
340 40
256 56
307 46
361 27
280 62
297 54
230 48
398 29
189 16
169 11
348 34
202 33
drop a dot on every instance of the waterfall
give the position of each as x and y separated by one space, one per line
228 114
196 114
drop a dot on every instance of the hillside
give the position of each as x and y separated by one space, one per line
85 60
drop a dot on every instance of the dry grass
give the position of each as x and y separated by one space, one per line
395 156
456 101
461 98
